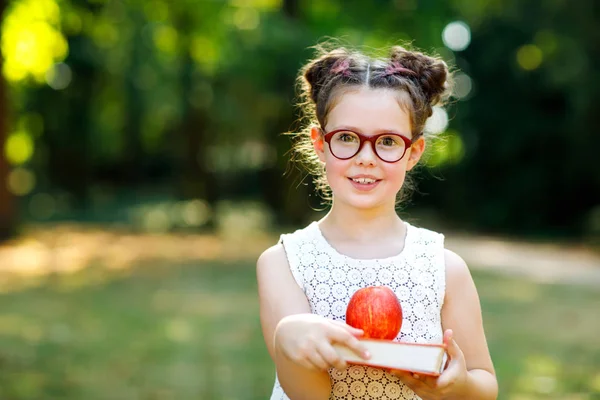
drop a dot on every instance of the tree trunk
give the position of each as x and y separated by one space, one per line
134 153
8 218
195 178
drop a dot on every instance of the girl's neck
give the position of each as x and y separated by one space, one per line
349 224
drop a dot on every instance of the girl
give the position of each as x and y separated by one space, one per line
367 133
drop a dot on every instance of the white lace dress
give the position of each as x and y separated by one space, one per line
328 278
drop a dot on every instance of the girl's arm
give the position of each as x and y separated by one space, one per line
470 372
462 313
280 297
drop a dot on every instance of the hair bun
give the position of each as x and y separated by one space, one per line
316 72
431 73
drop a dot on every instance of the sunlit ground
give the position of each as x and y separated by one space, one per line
66 249
159 327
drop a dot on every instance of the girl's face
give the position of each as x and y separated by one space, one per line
365 181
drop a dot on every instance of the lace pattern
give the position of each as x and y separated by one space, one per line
328 278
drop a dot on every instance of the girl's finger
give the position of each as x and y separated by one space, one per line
408 379
331 357
344 337
451 346
352 330
447 336
426 380
317 361
417 381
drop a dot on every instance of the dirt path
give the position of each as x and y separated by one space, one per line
542 262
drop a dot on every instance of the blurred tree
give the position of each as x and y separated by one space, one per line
189 100
529 123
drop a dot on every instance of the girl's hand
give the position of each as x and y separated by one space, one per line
449 385
307 339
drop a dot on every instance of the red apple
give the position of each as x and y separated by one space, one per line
377 311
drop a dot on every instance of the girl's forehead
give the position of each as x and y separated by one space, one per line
369 110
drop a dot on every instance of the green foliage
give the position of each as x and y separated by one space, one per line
528 127
192 98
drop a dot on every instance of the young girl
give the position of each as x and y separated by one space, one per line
367 133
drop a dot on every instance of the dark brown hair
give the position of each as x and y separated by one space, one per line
421 82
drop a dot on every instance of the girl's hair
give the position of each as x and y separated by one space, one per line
421 81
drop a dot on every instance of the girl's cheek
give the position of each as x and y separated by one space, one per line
396 175
335 168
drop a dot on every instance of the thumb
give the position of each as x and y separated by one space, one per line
451 346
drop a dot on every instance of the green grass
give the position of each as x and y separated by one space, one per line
192 332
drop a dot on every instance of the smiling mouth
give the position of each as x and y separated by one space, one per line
364 181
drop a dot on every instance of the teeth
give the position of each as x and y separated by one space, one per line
363 180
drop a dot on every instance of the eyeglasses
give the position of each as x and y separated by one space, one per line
389 147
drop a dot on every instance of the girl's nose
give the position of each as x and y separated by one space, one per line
366 155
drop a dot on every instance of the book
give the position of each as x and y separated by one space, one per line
426 358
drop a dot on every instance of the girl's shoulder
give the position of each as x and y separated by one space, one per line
455 267
304 234
421 236
292 238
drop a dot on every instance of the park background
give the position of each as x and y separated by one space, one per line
144 168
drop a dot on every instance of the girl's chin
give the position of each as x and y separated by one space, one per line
363 202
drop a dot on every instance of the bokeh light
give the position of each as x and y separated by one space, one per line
21 181
205 52
463 85
529 57
18 148
156 220
59 76
31 40
195 212
449 149
438 122
105 34
456 36
165 39
246 18
179 330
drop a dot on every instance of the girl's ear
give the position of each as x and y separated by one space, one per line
316 136
415 153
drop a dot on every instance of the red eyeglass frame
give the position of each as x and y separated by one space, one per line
373 139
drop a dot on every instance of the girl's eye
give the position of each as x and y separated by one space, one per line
388 141
347 137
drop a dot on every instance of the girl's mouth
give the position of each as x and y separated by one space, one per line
364 184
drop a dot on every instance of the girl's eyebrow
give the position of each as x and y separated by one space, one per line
377 132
